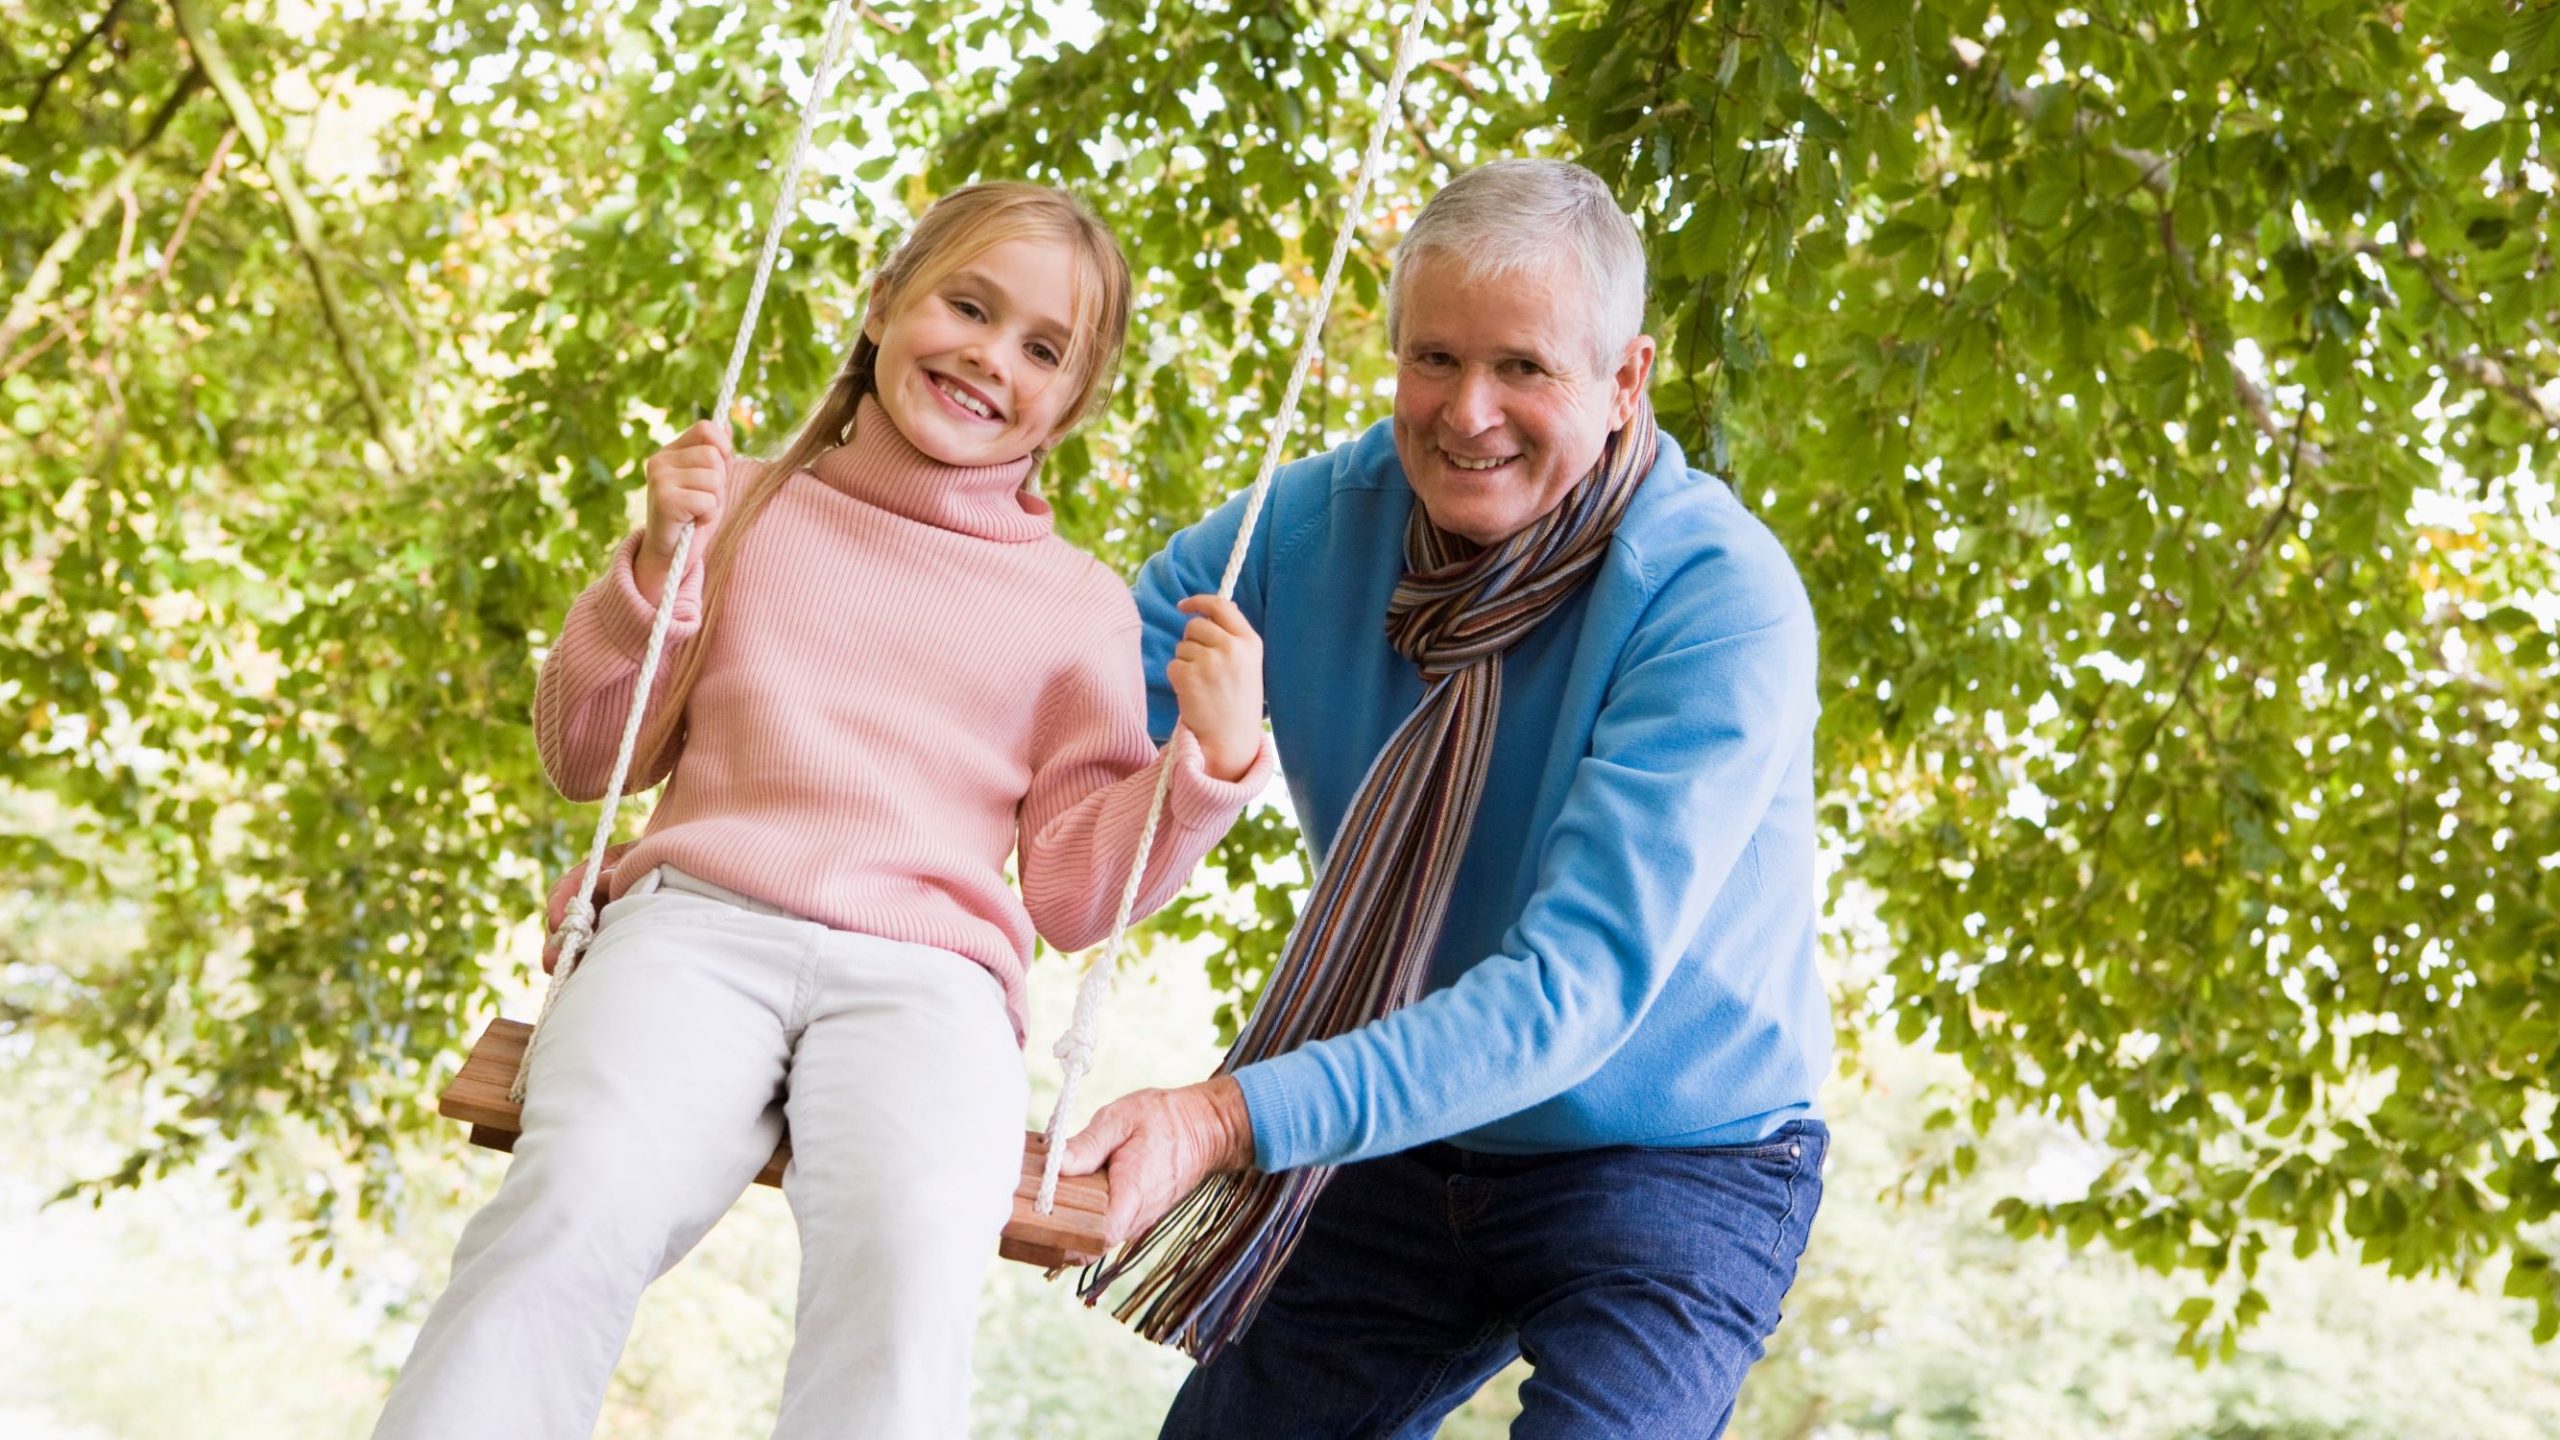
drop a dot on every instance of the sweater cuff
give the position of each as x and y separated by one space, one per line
1198 800
626 616
1280 1141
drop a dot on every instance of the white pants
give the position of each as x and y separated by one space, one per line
699 1021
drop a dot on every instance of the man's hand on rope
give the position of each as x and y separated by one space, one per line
687 481
1216 674
1158 1145
555 912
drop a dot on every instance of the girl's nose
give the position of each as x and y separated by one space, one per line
986 359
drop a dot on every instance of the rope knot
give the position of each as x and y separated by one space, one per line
580 920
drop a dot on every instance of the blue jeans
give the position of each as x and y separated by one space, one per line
1640 1284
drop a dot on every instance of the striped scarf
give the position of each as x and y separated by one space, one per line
1364 939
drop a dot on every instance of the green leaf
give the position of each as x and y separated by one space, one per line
1877 24
1819 123
2533 40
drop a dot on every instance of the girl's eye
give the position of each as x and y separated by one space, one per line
968 309
1043 353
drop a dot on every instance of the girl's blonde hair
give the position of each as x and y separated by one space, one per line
953 231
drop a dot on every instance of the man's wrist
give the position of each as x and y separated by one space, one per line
1234 1122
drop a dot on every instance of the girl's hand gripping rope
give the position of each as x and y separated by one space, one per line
688 480
1216 674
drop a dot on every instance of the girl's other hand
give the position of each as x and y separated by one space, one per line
687 481
555 910
1216 674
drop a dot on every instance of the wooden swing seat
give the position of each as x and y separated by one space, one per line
1070 1234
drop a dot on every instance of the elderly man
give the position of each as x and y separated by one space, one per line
1592 1141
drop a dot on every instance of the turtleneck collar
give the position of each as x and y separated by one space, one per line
879 465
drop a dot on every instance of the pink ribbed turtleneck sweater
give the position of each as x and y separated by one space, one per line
911 674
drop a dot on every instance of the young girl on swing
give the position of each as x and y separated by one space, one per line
886 673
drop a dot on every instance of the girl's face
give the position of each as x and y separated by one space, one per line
973 371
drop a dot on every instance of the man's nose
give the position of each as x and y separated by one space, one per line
1473 407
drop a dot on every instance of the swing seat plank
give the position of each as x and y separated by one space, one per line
1071 1234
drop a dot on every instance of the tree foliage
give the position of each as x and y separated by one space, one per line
2159 400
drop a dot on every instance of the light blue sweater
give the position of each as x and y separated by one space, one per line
1629 955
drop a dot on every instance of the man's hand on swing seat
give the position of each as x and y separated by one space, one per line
1158 1145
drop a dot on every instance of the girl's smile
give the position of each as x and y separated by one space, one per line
964 398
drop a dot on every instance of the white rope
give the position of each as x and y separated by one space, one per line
578 926
786 202
1075 1048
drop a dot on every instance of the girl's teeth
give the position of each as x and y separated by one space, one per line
966 401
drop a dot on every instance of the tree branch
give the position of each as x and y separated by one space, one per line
2157 170
1412 122
2493 375
2182 695
2415 254
49 267
1457 74
300 219
2252 399
2489 371
159 276
2158 174
71 57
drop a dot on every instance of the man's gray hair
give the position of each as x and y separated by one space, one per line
1519 217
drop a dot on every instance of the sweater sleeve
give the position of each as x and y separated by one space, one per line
1093 780
1712 697
583 698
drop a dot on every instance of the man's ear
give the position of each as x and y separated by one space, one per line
1635 369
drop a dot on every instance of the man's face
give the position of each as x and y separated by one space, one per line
1501 404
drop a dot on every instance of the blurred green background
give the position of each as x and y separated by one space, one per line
2159 398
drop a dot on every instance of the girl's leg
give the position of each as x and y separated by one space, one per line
652 1103
906 1105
